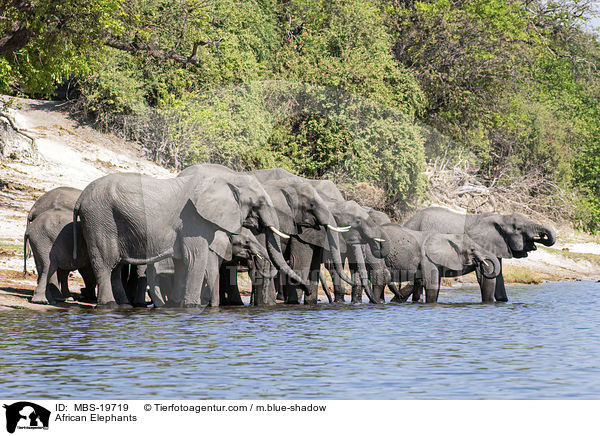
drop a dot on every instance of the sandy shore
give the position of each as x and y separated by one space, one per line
69 154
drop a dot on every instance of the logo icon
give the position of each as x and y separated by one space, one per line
26 415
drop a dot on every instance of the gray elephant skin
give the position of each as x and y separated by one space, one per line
307 252
49 232
425 257
506 236
136 219
303 215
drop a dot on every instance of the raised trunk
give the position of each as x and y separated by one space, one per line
545 235
274 249
486 260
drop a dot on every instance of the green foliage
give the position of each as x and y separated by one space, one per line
48 41
329 88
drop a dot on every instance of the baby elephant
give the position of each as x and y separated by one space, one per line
426 257
50 236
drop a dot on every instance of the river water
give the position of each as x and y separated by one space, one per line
543 344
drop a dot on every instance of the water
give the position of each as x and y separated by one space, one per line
543 344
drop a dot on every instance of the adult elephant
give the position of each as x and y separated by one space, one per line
136 219
303 215
347 214
425 257
506 236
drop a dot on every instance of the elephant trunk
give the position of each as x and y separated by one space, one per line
545 235
334 249
362 271
485 261
274 249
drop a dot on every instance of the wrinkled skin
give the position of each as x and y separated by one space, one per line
249 252
304 216
62 197
307 252
51 238
136 219
60 200
426 257
246 250
504 235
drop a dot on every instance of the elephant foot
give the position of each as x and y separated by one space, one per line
40 299
502 299
112 305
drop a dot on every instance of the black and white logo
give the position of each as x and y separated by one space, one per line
26 415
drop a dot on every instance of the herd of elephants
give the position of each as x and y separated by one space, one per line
180 242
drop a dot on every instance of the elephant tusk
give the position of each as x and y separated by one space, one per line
339 229
278 233
379 240
259 256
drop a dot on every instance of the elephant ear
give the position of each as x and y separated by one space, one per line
285 201
444 250
313 236
487 232
221 245
217 201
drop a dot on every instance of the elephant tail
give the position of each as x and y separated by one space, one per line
75 214
324 285
25 238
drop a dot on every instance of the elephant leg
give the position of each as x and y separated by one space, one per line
89 292
42 294
301 256
356 287
212 278
500 290
379 292
104 256
417 290
140 286
223 284
488 288
313 276
263 291
153 287
339 289
118 289
63 278
431 280
231 289
190 272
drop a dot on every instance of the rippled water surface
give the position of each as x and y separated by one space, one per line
544 343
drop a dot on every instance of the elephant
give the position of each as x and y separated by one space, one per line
506 236
303 215
248 251
244 249
347 214
426 257
136 219
50 236
62 197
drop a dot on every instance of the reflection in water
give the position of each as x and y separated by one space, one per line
544 343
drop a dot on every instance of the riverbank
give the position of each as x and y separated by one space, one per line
69 154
